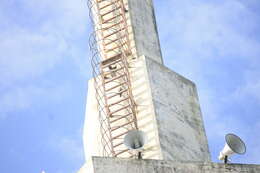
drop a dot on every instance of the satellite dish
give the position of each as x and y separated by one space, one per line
135 141
233 145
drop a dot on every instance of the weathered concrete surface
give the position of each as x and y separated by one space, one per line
168 112
91 131
114 165
145 113
180 126
144 29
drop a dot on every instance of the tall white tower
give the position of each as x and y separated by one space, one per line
132 89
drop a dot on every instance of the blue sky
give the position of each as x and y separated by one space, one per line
44 68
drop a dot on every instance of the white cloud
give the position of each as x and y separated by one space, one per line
197 32
51 31
44 35
70 147
21 98
26 55
251 89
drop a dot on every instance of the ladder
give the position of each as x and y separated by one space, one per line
110 62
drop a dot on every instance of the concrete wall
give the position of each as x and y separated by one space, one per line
146 118
113 165
168 112
144 29
91 131
180 126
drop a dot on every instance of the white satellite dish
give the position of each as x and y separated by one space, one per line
233 145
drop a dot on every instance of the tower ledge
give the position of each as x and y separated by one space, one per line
116 165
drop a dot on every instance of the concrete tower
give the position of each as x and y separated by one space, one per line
132 89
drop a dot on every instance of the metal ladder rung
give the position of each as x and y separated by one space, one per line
112 41
120 92
117 77
121 117
112 104
111 114
121 152
102 15
116 86
117 127
121 134
112 63
121 29
118 46
108 20
108 5
114 59
100 1
118 144
112 71
109 27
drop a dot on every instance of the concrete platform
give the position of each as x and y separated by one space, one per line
115 165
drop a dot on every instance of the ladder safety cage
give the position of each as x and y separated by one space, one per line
111 52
